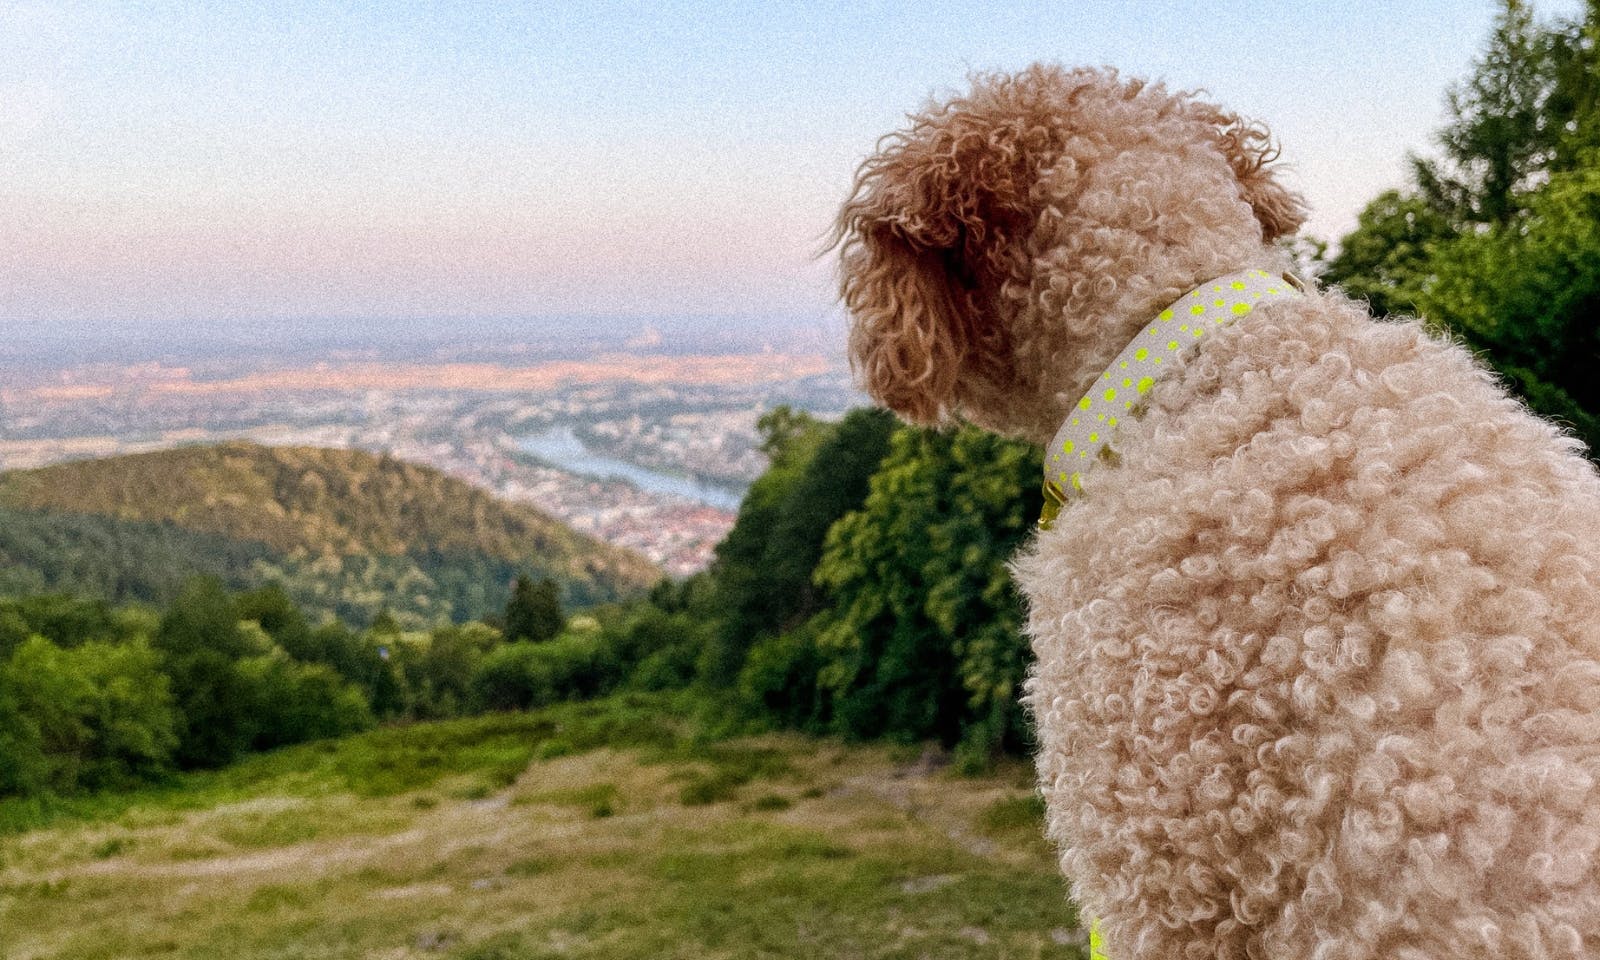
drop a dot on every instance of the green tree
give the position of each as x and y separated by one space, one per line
924 639
291 702
763 573
1387 259
445 670
200 644
1500 135
1498 242
1574 103
534 611
278 615
96 715
1527 296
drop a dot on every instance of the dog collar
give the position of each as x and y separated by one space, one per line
1163 346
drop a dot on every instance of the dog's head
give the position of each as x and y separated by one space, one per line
990 251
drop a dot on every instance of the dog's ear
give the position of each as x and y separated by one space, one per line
930 232
1250 152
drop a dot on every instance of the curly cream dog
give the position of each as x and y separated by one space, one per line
1318 647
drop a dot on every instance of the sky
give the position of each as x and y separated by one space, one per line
242 169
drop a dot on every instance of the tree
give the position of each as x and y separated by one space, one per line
924 638
1499 242
1574 103
278 615
96 715
1387 259
291 702
534 611
764 566
1500 135
1527 296
200 644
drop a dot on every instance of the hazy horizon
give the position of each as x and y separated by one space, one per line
176 173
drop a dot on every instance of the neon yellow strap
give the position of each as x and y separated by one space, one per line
1161 347
1097 946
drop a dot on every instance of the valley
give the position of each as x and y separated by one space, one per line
688 419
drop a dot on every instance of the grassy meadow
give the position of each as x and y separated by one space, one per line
598 829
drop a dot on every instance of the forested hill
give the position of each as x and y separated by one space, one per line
345 531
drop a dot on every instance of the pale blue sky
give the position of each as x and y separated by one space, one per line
221 166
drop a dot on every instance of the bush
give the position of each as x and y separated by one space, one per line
779 680
97 715
448 665
523 675
656 649
295 702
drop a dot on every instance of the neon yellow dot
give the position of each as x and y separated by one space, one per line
1156 361
1067 447
1106 375
1145 383
1165 315
1217 288
1094 437
1272 289
1184 328
1172 344
1111 394
1074 421
1141 353
1077 481
1084 403
1061 477
1127 381
1128 405
1238 284
1124 364
1199 330
1198 309
1101 418
1219 302
1241 308
1112 422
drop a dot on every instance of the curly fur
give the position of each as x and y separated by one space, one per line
1318 658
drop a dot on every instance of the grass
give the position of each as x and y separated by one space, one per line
466 839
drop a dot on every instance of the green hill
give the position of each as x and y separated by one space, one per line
345 531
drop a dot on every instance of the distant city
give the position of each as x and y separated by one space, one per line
639 446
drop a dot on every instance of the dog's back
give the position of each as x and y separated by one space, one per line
1319 659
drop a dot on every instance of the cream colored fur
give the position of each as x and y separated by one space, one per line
1318 661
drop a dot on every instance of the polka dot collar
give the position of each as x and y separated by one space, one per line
1160 348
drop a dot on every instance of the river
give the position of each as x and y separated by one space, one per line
562 448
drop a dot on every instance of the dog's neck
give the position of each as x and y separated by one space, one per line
1159 349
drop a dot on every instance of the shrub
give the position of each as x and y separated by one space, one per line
294 702
523 675
96 715
779 680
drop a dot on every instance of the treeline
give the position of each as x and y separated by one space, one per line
94 696
862 592
1497 239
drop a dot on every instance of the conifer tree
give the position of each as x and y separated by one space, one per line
534 611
